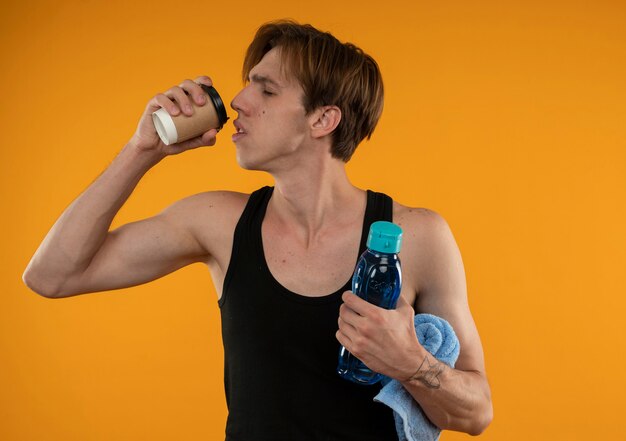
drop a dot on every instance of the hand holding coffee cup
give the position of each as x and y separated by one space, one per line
177 128
179 102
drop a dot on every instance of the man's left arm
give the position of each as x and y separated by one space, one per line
453 398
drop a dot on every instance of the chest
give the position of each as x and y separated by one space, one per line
325 267
316 269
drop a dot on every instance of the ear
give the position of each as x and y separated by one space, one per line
324 120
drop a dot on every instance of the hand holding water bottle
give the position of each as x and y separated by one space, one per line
372 337
384 340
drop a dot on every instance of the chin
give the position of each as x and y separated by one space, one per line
248 167
248 164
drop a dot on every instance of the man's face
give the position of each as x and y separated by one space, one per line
271 122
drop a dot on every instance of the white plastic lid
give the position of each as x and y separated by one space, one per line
165 126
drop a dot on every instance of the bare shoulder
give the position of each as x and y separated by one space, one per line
415 218
210 216
422 229
432 252
434 259
222 202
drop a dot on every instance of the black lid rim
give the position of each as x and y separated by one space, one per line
218 103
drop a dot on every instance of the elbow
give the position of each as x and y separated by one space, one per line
473 424
43 289
475 421
482 421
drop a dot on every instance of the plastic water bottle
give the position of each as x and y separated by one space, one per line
377 279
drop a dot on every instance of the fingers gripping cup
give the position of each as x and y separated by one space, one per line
174 129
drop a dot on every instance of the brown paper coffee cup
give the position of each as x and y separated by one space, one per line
179 128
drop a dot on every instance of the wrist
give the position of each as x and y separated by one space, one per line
428 373
147 156
412 360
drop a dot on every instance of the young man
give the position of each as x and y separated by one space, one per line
282 258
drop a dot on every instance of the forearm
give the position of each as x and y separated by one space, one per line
452 399
80 231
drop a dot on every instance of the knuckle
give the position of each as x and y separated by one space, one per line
174 90
160 98
203 79
179 93
190 87
189 84
165 102
379 319
360 342
181 97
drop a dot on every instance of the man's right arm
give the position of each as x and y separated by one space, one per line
79 254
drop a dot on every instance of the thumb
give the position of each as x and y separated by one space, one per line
206 139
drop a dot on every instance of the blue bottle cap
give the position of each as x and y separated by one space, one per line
384 237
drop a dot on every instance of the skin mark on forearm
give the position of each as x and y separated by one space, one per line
428 373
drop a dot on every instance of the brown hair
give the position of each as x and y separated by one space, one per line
330 73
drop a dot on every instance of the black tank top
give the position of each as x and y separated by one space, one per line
281 353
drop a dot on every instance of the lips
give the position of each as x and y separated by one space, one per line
239 127
241 131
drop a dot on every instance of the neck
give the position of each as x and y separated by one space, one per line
309 199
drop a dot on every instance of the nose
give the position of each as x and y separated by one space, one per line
238 103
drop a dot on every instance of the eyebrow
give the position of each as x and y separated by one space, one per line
263 79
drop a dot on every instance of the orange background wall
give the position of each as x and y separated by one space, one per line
507 118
